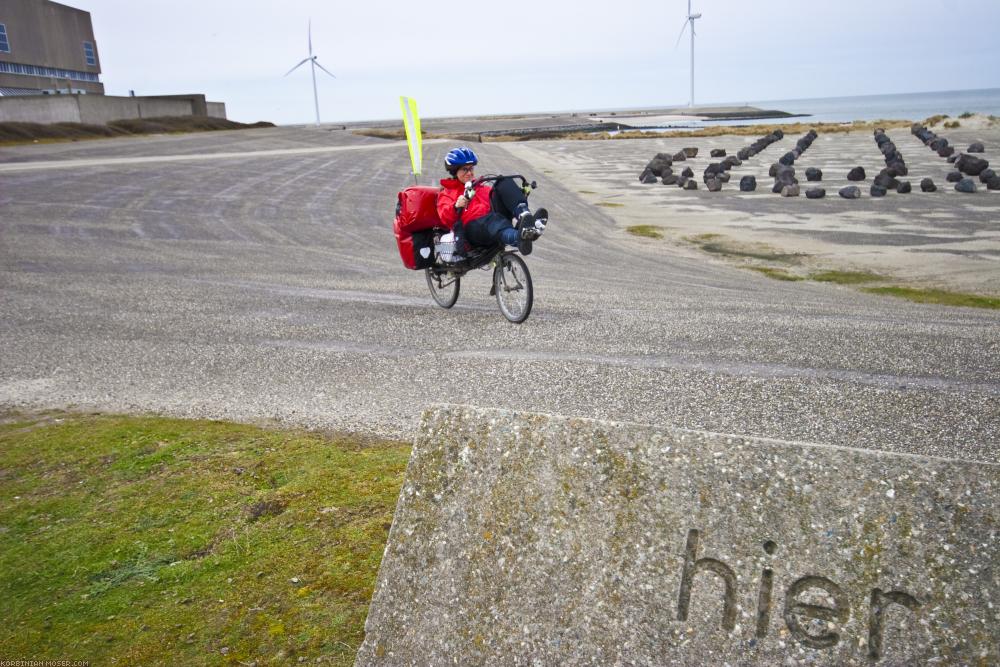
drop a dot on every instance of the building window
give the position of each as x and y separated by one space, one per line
88 52
36 70
4 44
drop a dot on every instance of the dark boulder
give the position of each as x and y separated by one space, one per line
850 192
748 184
659 163
986 174
938 143
712 169
976 147
904 187
878 191
717 152
773 171
787 159
966 185
815 193
731 162
688 172
680 157
884 180
691 184
648 176
814 174
993 183
743 154
954 176
785 175
682 181
946 151
778 135
971 165
670 180
777 187
856 174
713 184
953 158
899 168
691 152
790 191
927 185
723 176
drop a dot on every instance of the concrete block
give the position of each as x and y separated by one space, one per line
533 539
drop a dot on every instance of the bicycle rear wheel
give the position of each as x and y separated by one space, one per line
444 287
512 285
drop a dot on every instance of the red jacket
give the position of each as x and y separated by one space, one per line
451 190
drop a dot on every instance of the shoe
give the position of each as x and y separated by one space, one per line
541 219
528 236
524 220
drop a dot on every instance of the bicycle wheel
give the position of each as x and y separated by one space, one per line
512 284
444 287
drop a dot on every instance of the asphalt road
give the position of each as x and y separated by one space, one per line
248 276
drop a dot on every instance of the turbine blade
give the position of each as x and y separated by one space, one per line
323 68
310 37
304 61
683 28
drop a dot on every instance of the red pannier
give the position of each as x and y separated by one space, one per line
416 216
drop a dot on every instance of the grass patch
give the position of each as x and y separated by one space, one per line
586 192
156 541
777 274
846 277
648 231
699 238
952 125
609 204
967 114
937 296
934 120
761 252
21 133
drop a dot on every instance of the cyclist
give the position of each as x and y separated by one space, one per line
492 214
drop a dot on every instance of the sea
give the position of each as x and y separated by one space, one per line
904 106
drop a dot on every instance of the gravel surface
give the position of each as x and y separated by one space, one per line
267 287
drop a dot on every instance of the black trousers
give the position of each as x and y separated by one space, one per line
505 199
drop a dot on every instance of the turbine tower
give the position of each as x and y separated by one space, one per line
689 20
313 63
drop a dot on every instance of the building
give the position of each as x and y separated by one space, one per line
47 48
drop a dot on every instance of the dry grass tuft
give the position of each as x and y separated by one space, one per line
23 133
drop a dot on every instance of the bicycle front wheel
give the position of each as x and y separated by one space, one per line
444 287
512 285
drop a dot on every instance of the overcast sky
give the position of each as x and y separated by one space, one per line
490 57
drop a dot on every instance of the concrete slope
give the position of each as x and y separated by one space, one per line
268 287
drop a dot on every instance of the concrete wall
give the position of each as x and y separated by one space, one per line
99 109
216 109
40 109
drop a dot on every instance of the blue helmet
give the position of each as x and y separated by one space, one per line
458 157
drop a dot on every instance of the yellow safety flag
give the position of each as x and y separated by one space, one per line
411 121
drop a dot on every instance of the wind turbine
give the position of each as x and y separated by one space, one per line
313 63
690 19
